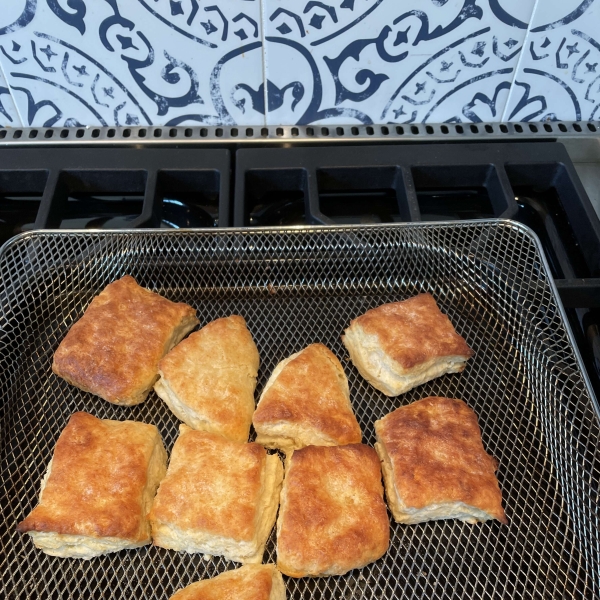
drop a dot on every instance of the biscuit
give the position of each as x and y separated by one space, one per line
434 464
98 488
306 402
208 380
332 517
219 497
250 582
114 349
399 346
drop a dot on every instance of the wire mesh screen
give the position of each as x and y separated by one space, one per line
295 287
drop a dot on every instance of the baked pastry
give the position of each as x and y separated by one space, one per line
98 488
332 517
306 402
114 349
219 497
208 380
399 346
434 465
250 582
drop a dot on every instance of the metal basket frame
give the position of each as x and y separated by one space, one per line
298 285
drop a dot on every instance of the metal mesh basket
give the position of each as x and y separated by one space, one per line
295 287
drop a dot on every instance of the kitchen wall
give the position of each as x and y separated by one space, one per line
251 62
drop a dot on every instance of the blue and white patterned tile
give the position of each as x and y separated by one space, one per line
384 61
558 77
9 117
128 62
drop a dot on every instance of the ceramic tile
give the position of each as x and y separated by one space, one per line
119 62
384 61
558 77
9 117
167 62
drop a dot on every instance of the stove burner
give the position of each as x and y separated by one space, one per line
541 210
184 212
87 211
454 204
289 211
17 214
348 207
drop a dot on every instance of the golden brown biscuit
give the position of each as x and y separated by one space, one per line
219 497
434 464
250 582
306 402
332 517
399 346
208 380
114 349
98 488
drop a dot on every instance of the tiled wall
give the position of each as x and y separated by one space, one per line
251 62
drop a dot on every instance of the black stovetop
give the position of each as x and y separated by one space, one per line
115 188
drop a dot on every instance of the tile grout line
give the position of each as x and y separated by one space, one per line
12 97
264 59
521 58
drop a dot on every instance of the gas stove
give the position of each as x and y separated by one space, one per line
327 190
542 175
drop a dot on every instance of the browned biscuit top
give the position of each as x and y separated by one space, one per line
114 349
437 456
250 582
413 331
311 391
97 481
332 516
213 485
